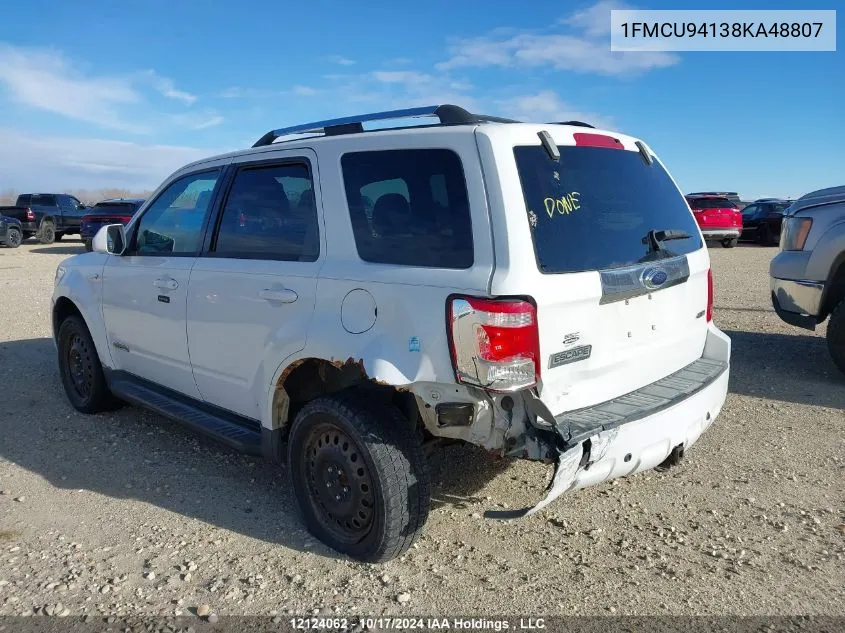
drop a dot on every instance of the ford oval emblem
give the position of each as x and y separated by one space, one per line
654 277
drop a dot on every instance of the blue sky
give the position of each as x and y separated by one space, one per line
105 94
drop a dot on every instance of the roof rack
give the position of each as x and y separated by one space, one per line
447 115
578 123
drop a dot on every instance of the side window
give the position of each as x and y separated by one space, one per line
409 207
749 212
172 225
270 213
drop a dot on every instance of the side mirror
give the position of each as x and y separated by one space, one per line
110 239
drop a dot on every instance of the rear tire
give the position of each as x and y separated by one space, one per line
89 245
729 242
836 335
80 369
14 237
47 235
359 475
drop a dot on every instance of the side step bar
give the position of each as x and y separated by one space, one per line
242 434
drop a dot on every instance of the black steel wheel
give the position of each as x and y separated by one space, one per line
340 486
80 368
359 475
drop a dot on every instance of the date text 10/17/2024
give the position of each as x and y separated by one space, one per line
418 623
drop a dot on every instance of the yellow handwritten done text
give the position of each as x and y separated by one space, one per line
563 205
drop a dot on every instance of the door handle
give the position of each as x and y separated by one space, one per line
166 284
283 295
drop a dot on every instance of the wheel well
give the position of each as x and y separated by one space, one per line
63 309
835 290
311 378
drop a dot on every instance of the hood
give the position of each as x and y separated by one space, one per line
831 195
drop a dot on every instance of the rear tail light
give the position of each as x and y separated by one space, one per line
30 216
495 343
709 295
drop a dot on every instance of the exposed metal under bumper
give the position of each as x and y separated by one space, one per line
576 426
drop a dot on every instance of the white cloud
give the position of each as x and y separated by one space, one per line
42 162
46 80
547 106
304 91
341 60
197 121
594 20
166 88
401 76
585 51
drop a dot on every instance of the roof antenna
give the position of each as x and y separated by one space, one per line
549 145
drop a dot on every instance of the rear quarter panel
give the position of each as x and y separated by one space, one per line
407 341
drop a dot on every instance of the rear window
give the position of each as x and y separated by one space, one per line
593 209
24 200
120 208
409 207
711 203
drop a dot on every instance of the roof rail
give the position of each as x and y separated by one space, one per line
578 123
446 114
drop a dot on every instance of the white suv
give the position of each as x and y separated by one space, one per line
347 298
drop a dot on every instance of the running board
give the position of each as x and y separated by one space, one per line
242 434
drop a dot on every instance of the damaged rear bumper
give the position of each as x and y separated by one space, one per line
640 430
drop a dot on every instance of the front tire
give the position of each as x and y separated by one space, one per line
359 475
80 368
14 237
48 233
729 242
836 335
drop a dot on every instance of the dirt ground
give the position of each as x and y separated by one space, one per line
127 513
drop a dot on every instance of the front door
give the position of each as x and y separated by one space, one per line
252 294
145 290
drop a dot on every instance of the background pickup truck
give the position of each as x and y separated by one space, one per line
47 216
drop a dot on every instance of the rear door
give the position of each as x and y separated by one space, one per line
72 212
616 311
252 292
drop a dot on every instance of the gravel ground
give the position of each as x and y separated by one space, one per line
127 513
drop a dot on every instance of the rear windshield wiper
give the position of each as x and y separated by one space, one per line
654 238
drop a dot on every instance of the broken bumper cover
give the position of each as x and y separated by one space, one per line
637 431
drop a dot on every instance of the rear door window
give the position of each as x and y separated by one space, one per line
40 200
593 209
409 207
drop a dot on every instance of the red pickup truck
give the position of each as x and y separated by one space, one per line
717 217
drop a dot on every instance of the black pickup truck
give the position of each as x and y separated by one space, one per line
47 216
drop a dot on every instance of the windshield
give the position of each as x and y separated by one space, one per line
593 209
711 203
